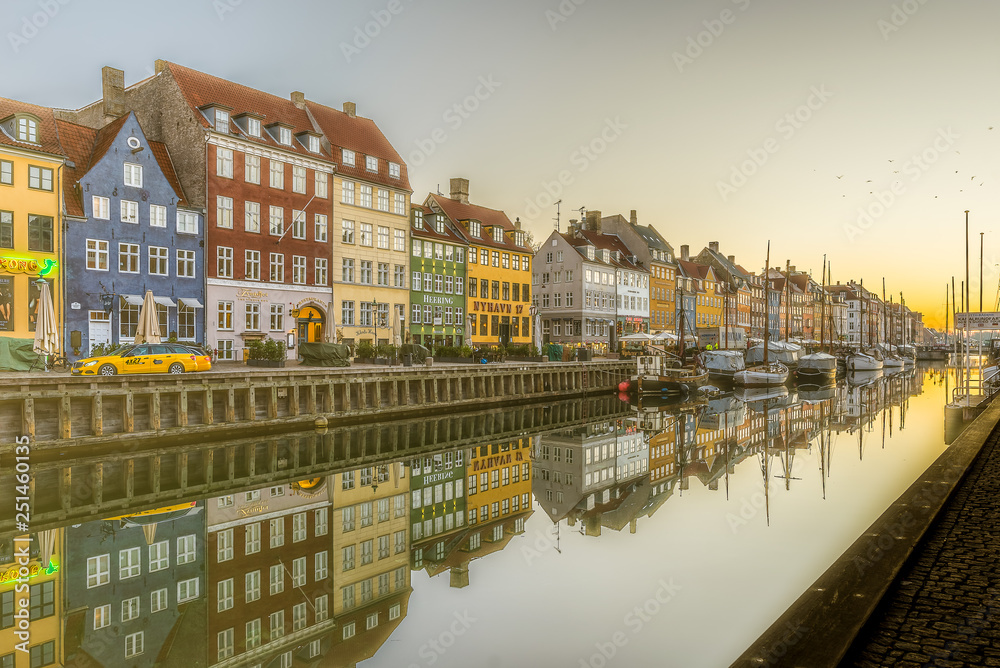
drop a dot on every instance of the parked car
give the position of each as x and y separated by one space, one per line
145 358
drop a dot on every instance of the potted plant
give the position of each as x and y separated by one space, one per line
275 354
256 356
365 350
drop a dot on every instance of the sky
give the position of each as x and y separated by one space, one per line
862 130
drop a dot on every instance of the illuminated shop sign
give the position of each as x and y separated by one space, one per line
14 573
27 265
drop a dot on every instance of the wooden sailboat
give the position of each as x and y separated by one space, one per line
890 360
860 360
768 373
665 375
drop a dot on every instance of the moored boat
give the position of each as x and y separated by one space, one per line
818 368
723 364
763 375
663 376
869 360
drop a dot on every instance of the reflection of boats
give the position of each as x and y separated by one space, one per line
754 397
656 375
817 368
862 378
815 394
723 364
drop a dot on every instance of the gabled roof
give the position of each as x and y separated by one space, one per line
162 156
697 270
724 262
364 137
105 138
612 242
201 90
427 231
460 212
78 143
48 134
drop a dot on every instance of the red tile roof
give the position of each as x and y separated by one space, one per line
200 89
48 134
459 212
427 230
162 156
78 142
105 138
362 136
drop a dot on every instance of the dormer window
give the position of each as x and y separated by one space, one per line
371 163
285 136
253 127
474 228
222 121
347 157
314 144
439 224
605 255
519 238
393 170
27 129
498 234
590 252
418 219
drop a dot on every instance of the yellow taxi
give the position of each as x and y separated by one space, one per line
145 358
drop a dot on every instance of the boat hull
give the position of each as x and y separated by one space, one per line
762 376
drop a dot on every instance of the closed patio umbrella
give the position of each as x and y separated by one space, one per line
46 336
148 330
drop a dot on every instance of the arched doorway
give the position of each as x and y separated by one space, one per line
310 323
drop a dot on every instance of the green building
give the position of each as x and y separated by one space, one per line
437 285
437 488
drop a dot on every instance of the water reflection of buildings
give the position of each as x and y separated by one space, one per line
134 589
40 595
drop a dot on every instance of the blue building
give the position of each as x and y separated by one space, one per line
135 590
129 229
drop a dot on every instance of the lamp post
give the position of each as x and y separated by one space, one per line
375 323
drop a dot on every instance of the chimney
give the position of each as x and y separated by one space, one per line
791 269
299 99
732 260
460 190
159 66
351 109
685 253
713 245
593 221
632 218
517 223
113 82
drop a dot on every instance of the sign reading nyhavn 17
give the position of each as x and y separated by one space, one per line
490 307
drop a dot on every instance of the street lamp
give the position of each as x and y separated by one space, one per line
375 322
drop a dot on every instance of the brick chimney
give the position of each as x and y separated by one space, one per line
299 99
113 83
732 260
159 66
351 109
632 218
593 221
460 190
713 245
685 253
517 223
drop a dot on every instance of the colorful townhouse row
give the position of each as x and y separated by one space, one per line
248 216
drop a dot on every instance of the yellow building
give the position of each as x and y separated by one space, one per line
499 481
31 160
371 222
371 542
498 269
36 638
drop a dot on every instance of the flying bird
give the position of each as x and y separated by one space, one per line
841 176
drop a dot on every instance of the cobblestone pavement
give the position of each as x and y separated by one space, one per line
944 607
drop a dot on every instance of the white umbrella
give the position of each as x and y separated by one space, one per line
331 330
396 338
148 330
638 336
665 336
46 336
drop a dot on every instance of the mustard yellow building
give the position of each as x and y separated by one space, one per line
31 160
30 624
498 269
499 481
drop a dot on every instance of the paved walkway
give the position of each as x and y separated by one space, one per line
944 607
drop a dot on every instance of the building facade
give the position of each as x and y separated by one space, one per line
437 282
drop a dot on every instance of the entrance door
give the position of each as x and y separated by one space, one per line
99 331
310 325
505 333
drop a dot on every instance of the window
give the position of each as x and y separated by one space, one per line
251 217
187 590
225 595
186 550
347 192
299 527
6 229
185 264
133 175
277 172
399 277
130 608
394 170
98 571
365 275
251 265
225 315
251 168
187 222
321 271
365 197
253 634
348 631
27 130
277 317
347 157
321 565
299 269
224 545
159 556
277 220
102 616
383 237
277 579
224 643
277 526
39 178
348 558
365 509
129 211
97 255
383 200
251 586
347 312
366 234
277 267
347 231
134 645
299 572
298 616
42 600
224 163
371 163
223 265
383 273
320 227
320 520
383 546
158 257
298 179
399 204
347 518
322 185
285 136
366 552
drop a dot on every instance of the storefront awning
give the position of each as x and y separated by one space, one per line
132 300
164 301
190 302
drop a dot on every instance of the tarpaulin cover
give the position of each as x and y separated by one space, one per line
16 354
325 354
555 352
418 351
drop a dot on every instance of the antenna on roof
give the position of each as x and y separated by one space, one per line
557 215
439 191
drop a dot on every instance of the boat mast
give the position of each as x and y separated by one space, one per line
788 299
767 303
822 308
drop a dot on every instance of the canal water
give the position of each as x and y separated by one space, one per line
652 535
